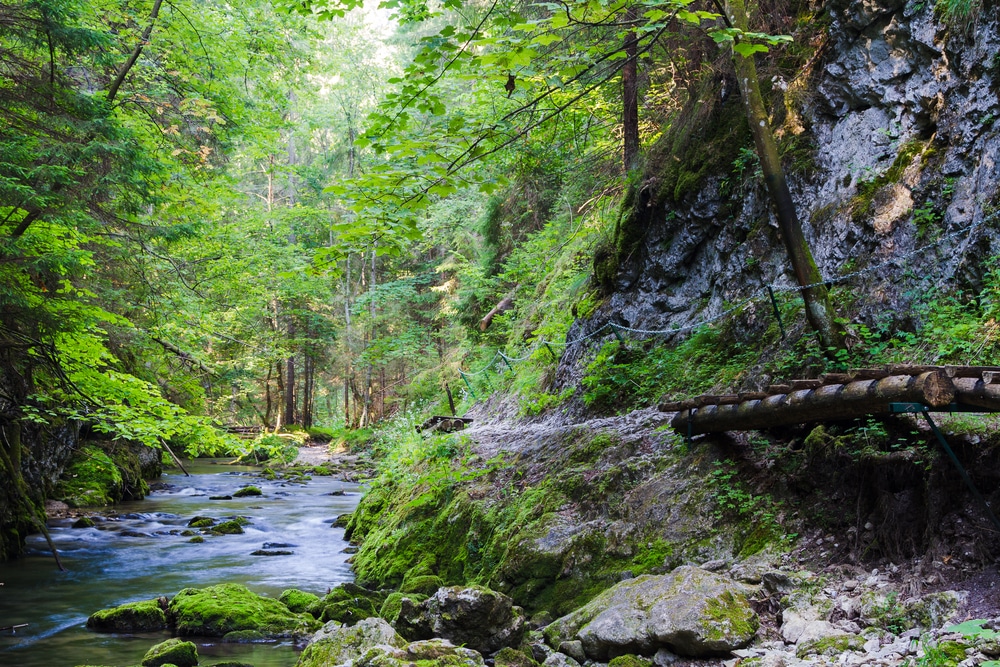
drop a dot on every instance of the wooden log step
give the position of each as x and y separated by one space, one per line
835 378
974 372
977 393
779 389
868 373
826 402
805 384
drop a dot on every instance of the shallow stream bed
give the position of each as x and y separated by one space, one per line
136 553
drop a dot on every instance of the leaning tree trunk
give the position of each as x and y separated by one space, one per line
819 310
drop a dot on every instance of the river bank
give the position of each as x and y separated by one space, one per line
146 549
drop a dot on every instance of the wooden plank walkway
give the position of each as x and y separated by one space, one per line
836 396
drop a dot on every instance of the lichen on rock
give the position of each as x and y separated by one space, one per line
691 611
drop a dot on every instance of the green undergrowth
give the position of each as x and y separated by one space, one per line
529 525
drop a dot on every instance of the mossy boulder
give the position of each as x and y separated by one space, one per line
201 522
347 603
691 611
228 528
394 602
472 616
218 610
296 600
425 584
511 657
335 644
146 616
427 653
90 479
171 652
247 491
84 522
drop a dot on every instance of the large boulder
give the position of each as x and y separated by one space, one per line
335 644
146 616
172 652
691 611
472 616
436 652
219 610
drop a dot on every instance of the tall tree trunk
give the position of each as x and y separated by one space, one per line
290 382
630 95
268 405
136 52
819 310
280 376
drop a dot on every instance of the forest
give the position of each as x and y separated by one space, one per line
325 221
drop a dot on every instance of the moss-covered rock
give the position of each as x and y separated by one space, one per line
90 479
472 616
296 600
511 657
218 610
427 653
393 603
630 660
691 611
830 645
84 522
347 603
171 652
201 522
336 645
232 527
425 584
146 616
247 491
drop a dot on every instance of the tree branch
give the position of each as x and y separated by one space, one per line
123 72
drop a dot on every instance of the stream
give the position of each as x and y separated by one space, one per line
136 553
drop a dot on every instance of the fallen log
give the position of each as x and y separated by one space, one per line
827 402
977 393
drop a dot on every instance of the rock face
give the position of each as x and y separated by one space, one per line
219 610
691 611
172 652
473 616
146 616
337 645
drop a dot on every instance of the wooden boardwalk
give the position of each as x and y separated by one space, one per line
837 396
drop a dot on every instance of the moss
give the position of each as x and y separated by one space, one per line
219 610
730 618
244 637
296 600
90 479
861 204
233 527
84 522
510 657
830 646
347 603
173 651
201 522
630 660
197 539
146 616
248 491
394 602
425 584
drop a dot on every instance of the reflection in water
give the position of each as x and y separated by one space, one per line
136 552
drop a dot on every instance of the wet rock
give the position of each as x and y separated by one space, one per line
427 652
218 610
245 637
233 527
197 539
341 521
133 533
338 645
84 522
691 611
172 652
146 616
272 552
201 522
220 497
473 616
278 545
248 491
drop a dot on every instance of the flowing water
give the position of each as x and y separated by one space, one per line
136 553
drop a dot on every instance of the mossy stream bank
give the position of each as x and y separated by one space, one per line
846 526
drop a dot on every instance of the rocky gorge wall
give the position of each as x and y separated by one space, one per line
890 143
